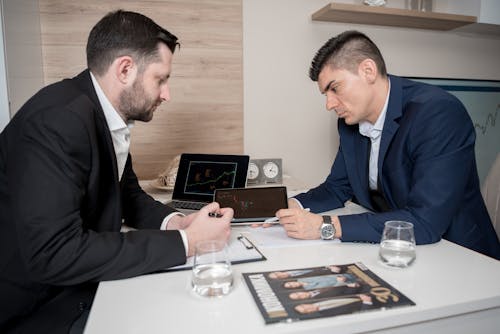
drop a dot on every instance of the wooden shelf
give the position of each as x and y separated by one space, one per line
336 12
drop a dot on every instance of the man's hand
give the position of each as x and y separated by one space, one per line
299 223
291 204
180 222
202 227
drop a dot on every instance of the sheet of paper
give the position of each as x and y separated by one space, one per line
240 250
275 236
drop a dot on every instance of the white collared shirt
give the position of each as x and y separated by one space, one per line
120 134
374 132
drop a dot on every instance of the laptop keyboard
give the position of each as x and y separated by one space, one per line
187 205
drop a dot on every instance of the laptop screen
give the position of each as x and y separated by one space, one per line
200 174
203 177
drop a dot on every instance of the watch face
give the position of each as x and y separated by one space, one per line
327 231
270 169
253 171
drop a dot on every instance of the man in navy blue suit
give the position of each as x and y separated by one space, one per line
406 153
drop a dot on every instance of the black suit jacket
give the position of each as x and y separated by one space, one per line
62 205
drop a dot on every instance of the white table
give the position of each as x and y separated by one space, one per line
455 290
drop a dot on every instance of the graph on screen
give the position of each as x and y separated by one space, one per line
241 204
204 177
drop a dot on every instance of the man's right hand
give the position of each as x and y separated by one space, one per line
204 227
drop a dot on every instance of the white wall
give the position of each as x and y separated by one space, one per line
285 115
4 96
490 11
23 51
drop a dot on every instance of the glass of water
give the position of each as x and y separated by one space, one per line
397 247
212 274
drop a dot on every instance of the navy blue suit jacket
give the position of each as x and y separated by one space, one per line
426 170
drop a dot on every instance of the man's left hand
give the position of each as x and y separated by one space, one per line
300 223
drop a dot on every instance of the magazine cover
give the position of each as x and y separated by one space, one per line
317 292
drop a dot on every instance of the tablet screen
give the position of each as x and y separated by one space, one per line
252 204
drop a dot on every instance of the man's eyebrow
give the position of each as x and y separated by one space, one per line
327 87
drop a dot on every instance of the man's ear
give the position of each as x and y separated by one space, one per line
368 70
125 69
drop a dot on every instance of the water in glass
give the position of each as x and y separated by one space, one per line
213 279
212 274
397 253
397 246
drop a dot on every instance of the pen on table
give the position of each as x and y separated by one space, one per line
276 219
214 215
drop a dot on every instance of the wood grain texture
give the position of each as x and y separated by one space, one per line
206 111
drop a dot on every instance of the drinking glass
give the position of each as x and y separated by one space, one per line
397 247
212 274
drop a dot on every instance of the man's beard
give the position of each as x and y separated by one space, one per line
135 104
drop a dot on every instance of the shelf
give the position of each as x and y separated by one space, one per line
336 12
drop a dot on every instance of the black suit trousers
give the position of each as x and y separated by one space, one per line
63 314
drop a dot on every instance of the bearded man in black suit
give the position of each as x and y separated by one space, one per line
67 184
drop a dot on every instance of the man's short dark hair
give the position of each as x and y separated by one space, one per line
125 33
346 51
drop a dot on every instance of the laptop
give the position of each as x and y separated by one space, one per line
200 174
253 205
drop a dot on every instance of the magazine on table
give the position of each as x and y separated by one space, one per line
317 292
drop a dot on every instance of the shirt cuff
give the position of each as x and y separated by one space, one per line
296 200
184 240
164 224
182 232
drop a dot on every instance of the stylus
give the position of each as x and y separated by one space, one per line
271 220
275 219
214 215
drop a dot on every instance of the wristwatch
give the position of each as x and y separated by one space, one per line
327 229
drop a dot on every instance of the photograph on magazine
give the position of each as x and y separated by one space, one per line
299 294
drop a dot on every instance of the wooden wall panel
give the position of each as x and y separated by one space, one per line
206 111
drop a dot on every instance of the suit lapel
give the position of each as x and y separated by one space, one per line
391 126
85 83
107 158
363 154
357 163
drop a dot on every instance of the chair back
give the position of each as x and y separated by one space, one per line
491 194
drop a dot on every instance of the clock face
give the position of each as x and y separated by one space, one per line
270 170
253 171
264 171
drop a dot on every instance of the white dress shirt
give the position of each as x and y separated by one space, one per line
120 134
374 132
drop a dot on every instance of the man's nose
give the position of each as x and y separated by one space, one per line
165 93
332 102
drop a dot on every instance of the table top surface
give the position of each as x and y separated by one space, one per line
445 280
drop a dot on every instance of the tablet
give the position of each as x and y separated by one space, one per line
252 204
